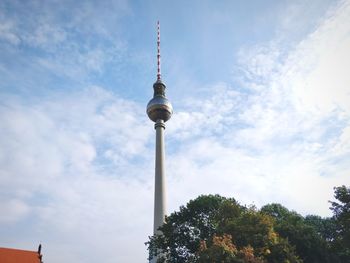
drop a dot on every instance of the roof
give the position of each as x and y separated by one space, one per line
10 255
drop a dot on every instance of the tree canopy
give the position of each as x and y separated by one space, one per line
212 228
341 216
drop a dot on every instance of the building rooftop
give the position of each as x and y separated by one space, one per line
10 255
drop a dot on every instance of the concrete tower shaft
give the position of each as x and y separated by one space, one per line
160 198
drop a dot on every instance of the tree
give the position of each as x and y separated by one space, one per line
309 243
341 216
255 229
220 229
222 250
216 229
183 231
325 227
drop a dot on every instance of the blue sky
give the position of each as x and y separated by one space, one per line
261 100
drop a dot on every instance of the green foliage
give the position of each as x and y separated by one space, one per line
215 229
341 216
210 220
282 252
221 249
325 227
184 230
309 244
341 211
251 228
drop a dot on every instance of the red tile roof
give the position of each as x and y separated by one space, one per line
10 255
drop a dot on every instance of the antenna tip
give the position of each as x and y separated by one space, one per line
158 52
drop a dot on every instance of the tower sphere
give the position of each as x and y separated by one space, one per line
159 108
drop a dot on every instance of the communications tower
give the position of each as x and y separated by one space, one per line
159 110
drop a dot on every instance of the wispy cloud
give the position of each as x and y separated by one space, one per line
65 163
285 135
6 32
70 43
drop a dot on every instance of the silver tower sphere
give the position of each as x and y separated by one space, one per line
159 107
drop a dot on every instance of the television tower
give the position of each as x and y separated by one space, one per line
159 110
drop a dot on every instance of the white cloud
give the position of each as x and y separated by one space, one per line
45 36
206 116
54 170
12 210
342 146
318 67
7 33
284 139
67 42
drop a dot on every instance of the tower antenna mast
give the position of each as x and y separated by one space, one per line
159 74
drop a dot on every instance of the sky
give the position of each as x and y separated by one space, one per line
261 97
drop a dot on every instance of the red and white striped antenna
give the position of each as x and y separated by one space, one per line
158 52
